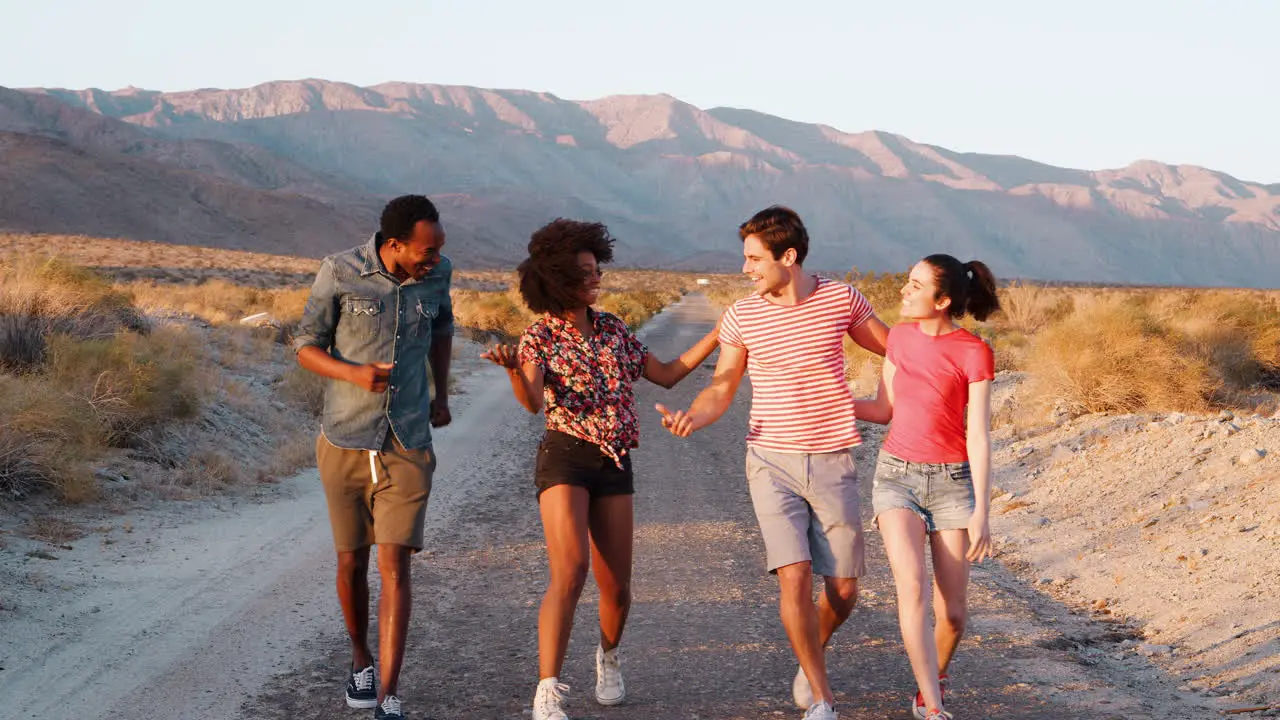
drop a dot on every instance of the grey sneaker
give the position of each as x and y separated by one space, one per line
821 711
610 690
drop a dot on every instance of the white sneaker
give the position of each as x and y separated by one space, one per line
821 711
610 690
546 701
800 690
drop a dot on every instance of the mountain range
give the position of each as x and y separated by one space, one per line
303 167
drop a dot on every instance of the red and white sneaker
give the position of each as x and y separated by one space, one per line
918 710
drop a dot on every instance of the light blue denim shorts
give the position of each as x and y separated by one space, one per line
940 493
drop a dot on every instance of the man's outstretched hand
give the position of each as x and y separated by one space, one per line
678 423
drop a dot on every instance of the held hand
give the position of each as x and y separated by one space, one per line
980 546
504 355
678 423
372 377
440 415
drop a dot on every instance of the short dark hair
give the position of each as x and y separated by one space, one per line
779 229
401 215
550 276
971 286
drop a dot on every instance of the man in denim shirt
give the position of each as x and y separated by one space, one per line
379 326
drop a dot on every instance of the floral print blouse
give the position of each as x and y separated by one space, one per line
588 382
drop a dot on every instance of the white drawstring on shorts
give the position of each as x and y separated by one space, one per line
373 465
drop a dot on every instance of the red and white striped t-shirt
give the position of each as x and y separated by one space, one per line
800 400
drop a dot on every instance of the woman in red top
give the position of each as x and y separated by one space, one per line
580 364
933 476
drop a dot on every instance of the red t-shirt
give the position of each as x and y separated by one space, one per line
931 391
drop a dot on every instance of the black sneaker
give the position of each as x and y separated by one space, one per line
389 709
362 691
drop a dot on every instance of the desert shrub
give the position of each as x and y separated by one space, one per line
637 306
725 294
43 442
1112 355
883 291
488 314
1026 308
40 297
1237 332
131 383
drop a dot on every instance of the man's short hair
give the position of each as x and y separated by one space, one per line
779 229
401 215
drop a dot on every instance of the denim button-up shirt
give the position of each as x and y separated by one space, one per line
360 313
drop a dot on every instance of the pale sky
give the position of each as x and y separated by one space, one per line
1086 84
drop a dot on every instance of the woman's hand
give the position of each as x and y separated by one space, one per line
980 546
504 355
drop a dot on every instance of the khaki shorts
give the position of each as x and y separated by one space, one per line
390 511
807 505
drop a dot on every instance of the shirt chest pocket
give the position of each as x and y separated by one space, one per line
421 316
363 315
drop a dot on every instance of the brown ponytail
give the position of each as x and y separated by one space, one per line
971 286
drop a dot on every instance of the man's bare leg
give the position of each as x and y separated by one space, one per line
393 614
353 596
800 619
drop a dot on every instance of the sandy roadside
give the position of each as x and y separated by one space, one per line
191 605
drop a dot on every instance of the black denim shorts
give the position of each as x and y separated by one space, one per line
566 460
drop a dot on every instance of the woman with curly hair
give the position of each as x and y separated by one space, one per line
579 364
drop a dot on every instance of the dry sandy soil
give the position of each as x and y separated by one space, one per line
1167 521
224 608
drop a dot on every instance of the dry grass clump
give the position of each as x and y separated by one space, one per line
636 307
43 443
1026 308
84 374
130 383
90 395
1157 350
1237 331
219 302
726 290
40 298
486 315
1112 356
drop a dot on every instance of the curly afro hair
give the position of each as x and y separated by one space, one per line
550 278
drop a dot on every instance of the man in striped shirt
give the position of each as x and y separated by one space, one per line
788 335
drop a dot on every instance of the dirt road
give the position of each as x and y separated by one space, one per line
258 635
